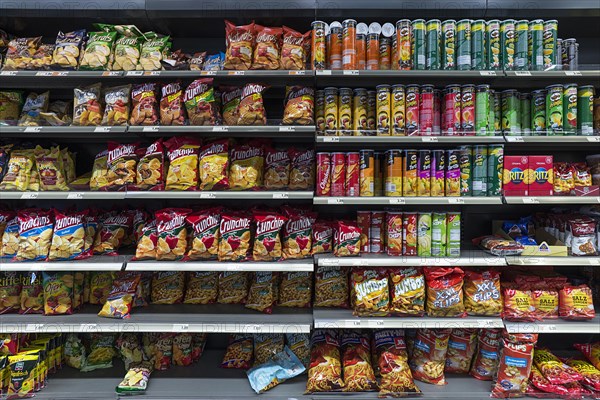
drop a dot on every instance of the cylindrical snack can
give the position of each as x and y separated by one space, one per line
480 172
437 111
373 51
409 234
522 45
463 44
377 231
570 109
511 121
467 109
393 236
349 56
318 45
538 112
418 44
507 44
453 173
585 109
411 112
550 36
393 173
561 55
383 110
478 33
345 111
352 174
323 174
367 173
438 173
424 173
372 112
466 171
554 110
394 56
335 46
363 220
482 107
409 173
432 51
424 235
379 167
491 115
361 51
359 112
453 234
448 45
494 52
338 174
331 110
426 110
572 52
398 108
597 114
497 106
320 111
525 114
536 56
495 169
404 35
385 53
438 234
452 121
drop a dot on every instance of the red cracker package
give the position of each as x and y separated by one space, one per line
214 165
146 245
591 351
121 161
267 240
322 237
302 172
487 358
444 292
267 47
346 239
151 167
172 233
251 110
144 110
461 347
429 355
205 231
576 302
172 107
293 51
240 42
277 169
297 234
183 163
114 229
234 243
516 356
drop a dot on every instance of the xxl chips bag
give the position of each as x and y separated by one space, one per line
183 166
240 42
214 165
172 233
199 98
68 240
172 107
293 53
444 292
407 288
429 355
392 364
205 234
234 243
356 359
370 291
251 110
325 370
483 295
151 168
267 47
267 240
35 234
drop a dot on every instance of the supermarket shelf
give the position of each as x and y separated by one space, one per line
224 195
559 140
62 195
96 263
213 318
555 326
62 129
288 265
333 318
140 74
407 200
554 261
553 74
62 74
409 139
468 257
293 131
409 74
552 199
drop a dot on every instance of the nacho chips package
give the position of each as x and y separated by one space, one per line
214 165
240 42
183 163
267 47
172 233
251 110
35 234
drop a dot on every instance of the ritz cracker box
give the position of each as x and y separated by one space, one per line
514 181
541 175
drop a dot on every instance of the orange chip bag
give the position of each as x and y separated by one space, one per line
483 295
370 290
293 51
429 355
545 303
239 41
151 167
183 163
444 292
234 242
516 359
205 231
518 305
576 302
172 233
356 359
146 245
267 47
591 351
267 240
247 164
214 165
346 239
392 363
110 237
461 347
299 105
302 171
251 110
407 287
121 161
325 369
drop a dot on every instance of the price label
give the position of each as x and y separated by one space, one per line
208 195
152 73
360 263
487 73
329 261
487 324
531 200
150 129
522 73
135 73
111 73
515 139
594 261
287 129
456 200
220 128
33 327
74 196
324 72
335 201
208 73
102 129
549 328
297 72
573 73
233 267
29 196
594 139
33 129
181 327
252 328
87 327
429 139
43 73
351 72
398 200
281 195
354 324
8 73
331 139
62 73
236 73
376 323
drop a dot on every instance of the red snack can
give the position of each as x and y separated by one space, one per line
409 234
377 232
353 174
393 236
437 112
363 220
451 126
323 174
361 51
338 174
426 111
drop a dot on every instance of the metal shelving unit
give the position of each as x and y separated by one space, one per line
62 195
223 195
468 257
405 140
382 201
96 263
252 266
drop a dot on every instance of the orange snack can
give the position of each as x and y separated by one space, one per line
367 173
361 51
393 173
335 46
318 45
394 62
385 53
373 51
349 55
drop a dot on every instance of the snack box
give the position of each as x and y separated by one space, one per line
514 179
540 175
548 245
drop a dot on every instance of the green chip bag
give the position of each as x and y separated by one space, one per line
152 53
97 55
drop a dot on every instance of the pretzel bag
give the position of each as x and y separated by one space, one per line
483 295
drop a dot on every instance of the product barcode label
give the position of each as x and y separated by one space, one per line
487 73
522 73
331 139
150 129
135 73
280 195
530 200
207 195
398 200
429 139
573 73
29 196
287 129
181 327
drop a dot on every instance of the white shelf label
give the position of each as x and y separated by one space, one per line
297 72
236 73
360 263
515 139
335 201
487 324
33 129
531 200
324 72
111 73
74 196
150 129
280 195
376 323
354 324
152 73
331 139
594 261
287 129
102 129
252 328
208 73
43 73
8 73
233 267
522 73
220 128
548 328
329 261
456 200
180 327
351 72
573 73
29 196
429 139
487 73
398 200
33 327
208 196
134 73
87 327
594 139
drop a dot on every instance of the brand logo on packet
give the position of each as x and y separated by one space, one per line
33 222
269 225
170 89
121 151
180 152
234 224
205 223
251 152
116 220
175 221
67 221
276 157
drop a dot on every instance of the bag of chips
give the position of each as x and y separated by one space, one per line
370 292
293 53
183 166
295 289
182 349
485 363
198 344
199 98
87 106
32 294
146 245
322 237
537 380
557 372
482 292
444 292
168 287
135 381
461 347
144 109
240 42
100 287
22 376
10 292
201 288
34 105
299 105
152 52
172 233
325 370
239 352
116 109
49 164
172 107
35 235
234 242
518 305
68 240
58 293
267 240
590 374
205 230
214 165
266 48
277 169
284 365
297 234
233 287
407 288
127 51
356 361
163 351
516 356
247 164
42 59
346 239
120 300
331 286
110 237
263 292
230 99
299 343
251 110
18 171
10 107
576 303
74 351
99 177
150 168
429 355
545 303
97 52
392 363
19 55
266 346
302 171
67 50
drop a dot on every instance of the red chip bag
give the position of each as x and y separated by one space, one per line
591 375
214 165
325 369
122 162
516 357
576 303
297 235
144 110
540 382
557 372
322 237
239 41
205 231
267 240
487 358
172 233
429 355
518 305
545 303
461 347
392 363
299 105
234 243
293 51
356 359
146 245
151 168
140 219
267 47
444 292
172 107
251 110
115 228
591 351
346 239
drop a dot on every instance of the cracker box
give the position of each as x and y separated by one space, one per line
514 182
540 176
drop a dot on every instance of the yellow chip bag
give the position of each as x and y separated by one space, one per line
99 177
214 164
35 235
68 241
18 171
183 167
50 169
10 236
246 171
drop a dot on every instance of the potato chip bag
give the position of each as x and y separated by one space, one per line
206 235
461 347
34 105
262 294
322 237
429 355
234 242
407 288
370 291
18 171
230 99
68 49
20 53
114 229
553 369
346 239
277 169
100 287
267 47
233 287
120 300
293 53
251 110
144 109
512 377
9 230
101 351
147 242
247 164
152 52
214 165
482 292
151 168
172 107
121 161
267 240
183 166
68 240
199 99
116 100
91 229
299 105
295 289
576 303
49 164
240 42
325 369
172 233
392 363
591 351
35 235
10 292
58 293
127 51
202 288
444 292
302 171
98 48
87 106
99 178
356 361
297 234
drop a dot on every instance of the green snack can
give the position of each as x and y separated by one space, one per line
463 45
495 169
585 110
491 115
438 234
478 36
525 100
497 106
536 45
570 109
494 54
453 234
507 44
448 45
511 105
522 45
466 170
482 108
554 110
418 44
549 43
424 235
538 112
480 170
434 29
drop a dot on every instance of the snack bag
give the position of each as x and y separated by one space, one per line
266 48
518 305
485 363
461 347
197 61
58 293
214 165
407 288
240 42
10 291
87 106
10 107
127 51
201 288
205 231
22 376
266 346
151 53
295 289
284 365
299 344
32 294
356 360
591 375
163 351
144 109
19 55
516 356
263 292
98 48
35 235
34 105
120 300
576 303
182 349
114 230
135 381
68 240
233 287
199 98
239 352
172 233
172 106
146 245
18 171
99 177
230 99
167 287
302 170
293 53
267 240
557 372
429 355
234 243
116 109
325 369
183 166
297 234
277 169
247 164
299 105
483 295
545 303
151 168
42 59
251 110
74 351
67 49
538 381
322 237
49 164
370 291
392 363
346 239
100 287
198 344
331 286
121 161
444 292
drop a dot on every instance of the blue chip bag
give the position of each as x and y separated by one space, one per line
284 365
526 240
214 62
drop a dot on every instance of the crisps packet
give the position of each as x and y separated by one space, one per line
199 98
482 292
262 294
325 369
58 293
277 169
172 106
50 168
116 111
230 99
183 166
299 105
392 363
99 178
10 236
34 105
126 53
267 47
267 240
120 300
234 243
429 355
151 168
293 53
152 53
10 292
121 161
206 235
68 240
346 239
18 171
67 50
251 110
32 294
240 42
302 171
87 108
444 292
214 165
356 358
146 245
98 48
297 234
144 109
172 233
247 164
19 55
110 237
35 235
